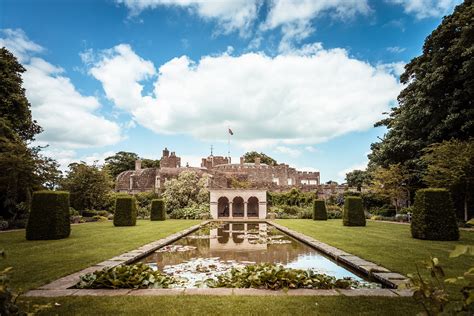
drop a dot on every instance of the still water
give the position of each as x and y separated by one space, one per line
217 247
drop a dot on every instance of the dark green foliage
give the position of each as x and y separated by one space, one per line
437 101
250 157
319 210
125 211
14 107
371 200
158 210
294 197
353 214
7 299
358 178
49 216
433 216
89 186
291 211
136 276
123 161
385 211
275 277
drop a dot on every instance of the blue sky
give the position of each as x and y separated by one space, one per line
303 81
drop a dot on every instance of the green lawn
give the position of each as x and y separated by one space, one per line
387 244
38 262
230 305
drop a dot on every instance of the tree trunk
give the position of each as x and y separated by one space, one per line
465 208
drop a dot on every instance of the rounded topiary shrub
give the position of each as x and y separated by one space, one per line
158 211
353 214
49 216
319 210
433 216
125 211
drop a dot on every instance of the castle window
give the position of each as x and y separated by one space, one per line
290 181
276 181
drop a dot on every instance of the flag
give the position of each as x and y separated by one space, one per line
231 132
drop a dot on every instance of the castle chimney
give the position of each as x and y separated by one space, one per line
257 161
166 152
138 164
241 160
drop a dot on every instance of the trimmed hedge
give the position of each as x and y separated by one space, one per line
49 216
125 211
158 210
434 217
353 212
319 210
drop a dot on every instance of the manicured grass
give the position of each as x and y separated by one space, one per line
389 245
229 305
38 262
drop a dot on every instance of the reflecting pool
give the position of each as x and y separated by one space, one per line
219 246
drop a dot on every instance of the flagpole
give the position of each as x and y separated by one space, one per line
228 142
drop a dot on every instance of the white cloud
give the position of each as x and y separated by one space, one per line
342 174
18 43
66 157
311 149
427 8
292 152
287 99
396 49
67 117
396 68
294 17
234 15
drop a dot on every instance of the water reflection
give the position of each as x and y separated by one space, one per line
247 243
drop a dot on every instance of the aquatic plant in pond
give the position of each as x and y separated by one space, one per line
274 277
137 276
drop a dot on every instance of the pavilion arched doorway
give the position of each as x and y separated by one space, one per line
238 207
252 207
223 207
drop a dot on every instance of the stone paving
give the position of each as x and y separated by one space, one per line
62 286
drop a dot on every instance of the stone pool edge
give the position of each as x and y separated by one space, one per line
62 286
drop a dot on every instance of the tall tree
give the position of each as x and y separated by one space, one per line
357 178
88 186
14 106
22 168
121 161
188 190
392 182
450 165
250 157
437 102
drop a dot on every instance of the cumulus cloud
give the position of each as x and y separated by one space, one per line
427 8
294 17
287 99
68 118
234 15
292 152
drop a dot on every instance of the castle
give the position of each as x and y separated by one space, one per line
222 174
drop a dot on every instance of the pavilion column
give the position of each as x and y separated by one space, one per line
245 209
230 210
